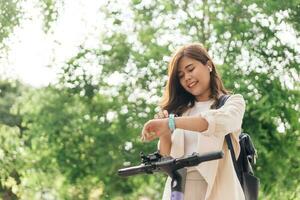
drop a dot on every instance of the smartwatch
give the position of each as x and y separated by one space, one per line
172 122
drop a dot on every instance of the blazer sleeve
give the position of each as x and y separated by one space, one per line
226 119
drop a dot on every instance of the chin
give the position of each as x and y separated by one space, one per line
195 93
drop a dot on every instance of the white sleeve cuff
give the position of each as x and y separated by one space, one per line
211 124
226 119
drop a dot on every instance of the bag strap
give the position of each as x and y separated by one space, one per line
221 102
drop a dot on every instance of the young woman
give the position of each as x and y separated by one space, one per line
192 92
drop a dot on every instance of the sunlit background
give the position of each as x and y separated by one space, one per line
35 56
78 78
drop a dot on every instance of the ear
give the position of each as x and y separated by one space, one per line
209 65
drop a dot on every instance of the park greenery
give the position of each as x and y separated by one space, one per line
67 140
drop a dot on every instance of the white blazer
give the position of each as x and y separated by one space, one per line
220 175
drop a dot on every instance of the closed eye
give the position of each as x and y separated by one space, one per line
189 70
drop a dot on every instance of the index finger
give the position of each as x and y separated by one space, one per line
166 113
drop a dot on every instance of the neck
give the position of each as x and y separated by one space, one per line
204 96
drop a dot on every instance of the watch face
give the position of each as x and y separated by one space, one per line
171 122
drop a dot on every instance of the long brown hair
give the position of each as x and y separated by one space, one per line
175 98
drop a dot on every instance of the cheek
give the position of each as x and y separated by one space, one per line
201 75
203 80
199 72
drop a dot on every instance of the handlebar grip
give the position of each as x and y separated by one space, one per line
196 159
130 171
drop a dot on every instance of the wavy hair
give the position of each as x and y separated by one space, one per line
175 98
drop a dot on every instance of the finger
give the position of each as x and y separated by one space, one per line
166 114
143 134
151 136
142 137
147 135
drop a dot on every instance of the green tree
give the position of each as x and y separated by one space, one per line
86 127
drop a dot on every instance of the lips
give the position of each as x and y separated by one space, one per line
192 84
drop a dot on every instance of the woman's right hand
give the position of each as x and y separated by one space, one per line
165 142
161 114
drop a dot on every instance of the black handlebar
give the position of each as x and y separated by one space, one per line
155 162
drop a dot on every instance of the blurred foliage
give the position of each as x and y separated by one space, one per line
12 13
9 17
50 12
67 141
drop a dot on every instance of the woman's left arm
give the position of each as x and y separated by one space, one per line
217 122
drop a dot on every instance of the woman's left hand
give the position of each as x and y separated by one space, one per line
155 128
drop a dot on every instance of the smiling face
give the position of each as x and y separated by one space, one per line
191 63
194 77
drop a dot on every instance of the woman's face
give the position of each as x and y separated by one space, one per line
193 76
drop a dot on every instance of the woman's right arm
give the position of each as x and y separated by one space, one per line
165 142
164 145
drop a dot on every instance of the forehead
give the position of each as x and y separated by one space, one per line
185 62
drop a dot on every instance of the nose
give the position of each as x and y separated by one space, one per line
187 78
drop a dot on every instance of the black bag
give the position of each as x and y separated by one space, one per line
243 165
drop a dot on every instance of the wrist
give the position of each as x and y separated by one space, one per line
167 133
171 122
165 137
